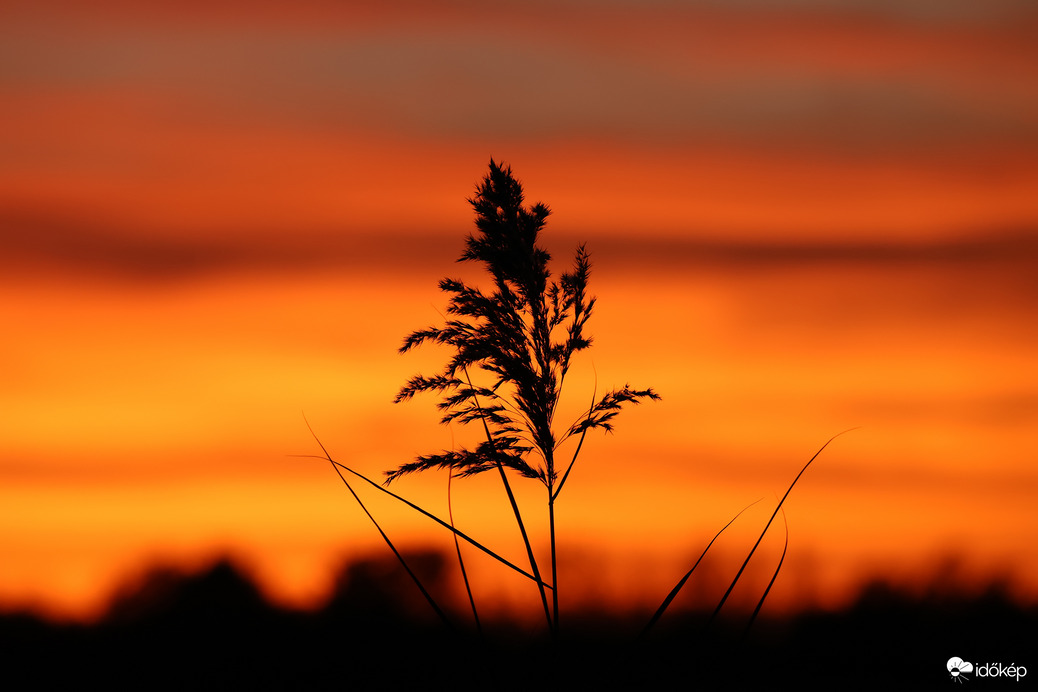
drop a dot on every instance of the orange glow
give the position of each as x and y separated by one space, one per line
220 225
164 432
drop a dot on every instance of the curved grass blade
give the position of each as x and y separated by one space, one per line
461 561
681 583
403 562
768 525
580 443
441 522
771 583
515 510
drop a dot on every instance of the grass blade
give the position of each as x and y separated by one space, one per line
515 510
771 583
441 522
580 443
461 561
768 525
681 583
403 562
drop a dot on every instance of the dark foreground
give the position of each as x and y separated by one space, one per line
214 630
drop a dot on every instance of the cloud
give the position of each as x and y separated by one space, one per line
783 71
47 243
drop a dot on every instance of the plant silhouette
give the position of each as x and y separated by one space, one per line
523 335
511 351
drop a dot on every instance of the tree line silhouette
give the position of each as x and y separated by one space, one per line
176 629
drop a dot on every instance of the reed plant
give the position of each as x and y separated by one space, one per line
511 348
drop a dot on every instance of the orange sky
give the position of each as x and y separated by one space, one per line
802 220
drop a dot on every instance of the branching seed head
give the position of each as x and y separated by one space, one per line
523 333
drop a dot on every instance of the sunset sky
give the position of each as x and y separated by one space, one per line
804 216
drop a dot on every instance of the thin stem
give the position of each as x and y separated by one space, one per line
768 525
461 562
580 443
415 507
514 504
674 592
760 603
396 552
444 524
554 566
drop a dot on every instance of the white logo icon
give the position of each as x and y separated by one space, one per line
958 668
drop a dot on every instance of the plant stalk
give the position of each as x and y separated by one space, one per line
441 522
768 525
418 582
554 566
515 506
461 561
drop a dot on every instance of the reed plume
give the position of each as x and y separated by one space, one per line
522 334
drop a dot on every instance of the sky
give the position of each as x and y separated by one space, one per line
805 216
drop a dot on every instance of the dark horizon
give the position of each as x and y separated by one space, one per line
213 626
